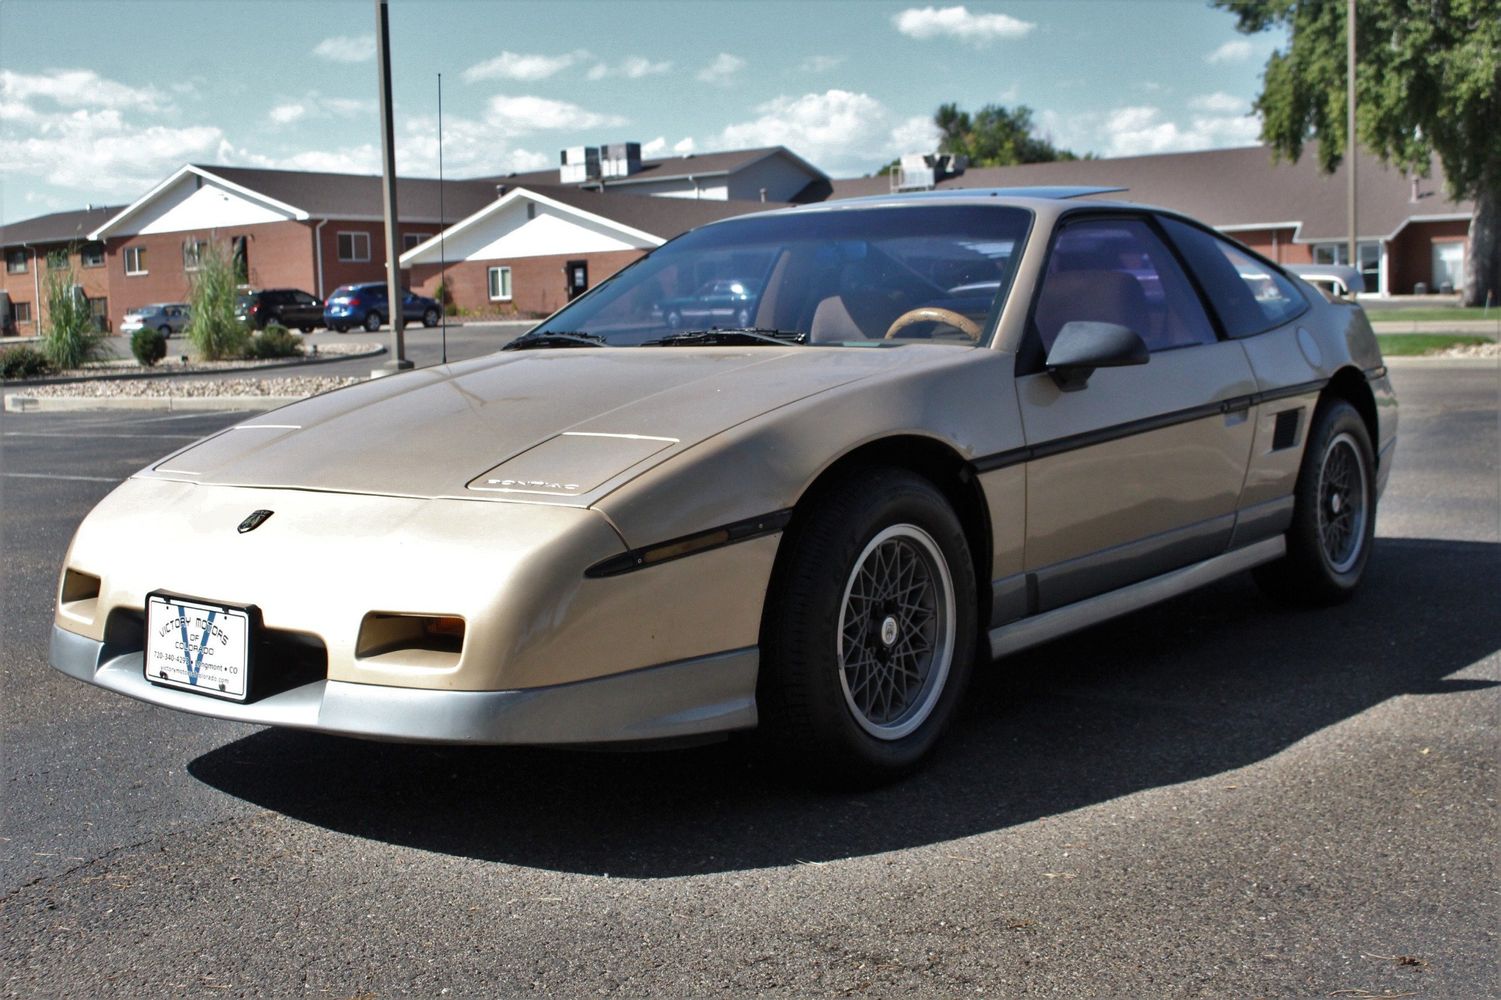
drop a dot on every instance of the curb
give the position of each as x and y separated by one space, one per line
248 372
1419 361
20 403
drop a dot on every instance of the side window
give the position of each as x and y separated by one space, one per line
1119 271
1249 295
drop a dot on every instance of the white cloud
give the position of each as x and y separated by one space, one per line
821 64
684 146
286 114
1138 130
527 113
631 68
528 67
77 88
315 105
1236 51
100 153
1221 103
957 22
346 48
721 69
839 130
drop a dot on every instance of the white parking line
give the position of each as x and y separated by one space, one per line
53 475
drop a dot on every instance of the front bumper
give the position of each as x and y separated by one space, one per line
708 694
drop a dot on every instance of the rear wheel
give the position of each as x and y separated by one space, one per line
305 329
340 328
372 321
164 330
430 317
1334 513
868 635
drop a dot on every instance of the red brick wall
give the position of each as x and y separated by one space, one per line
1275 245
538 284
279 254
1411 253
25 287
337 272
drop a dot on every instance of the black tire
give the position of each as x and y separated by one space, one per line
372 321
165 331
829 656
1334 513
430 317
340 328
306 329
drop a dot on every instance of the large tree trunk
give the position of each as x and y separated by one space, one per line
1482 253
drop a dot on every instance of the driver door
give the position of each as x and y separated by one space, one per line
1140 471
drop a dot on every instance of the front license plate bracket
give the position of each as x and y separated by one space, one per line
206 647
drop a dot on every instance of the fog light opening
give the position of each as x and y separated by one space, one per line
417 640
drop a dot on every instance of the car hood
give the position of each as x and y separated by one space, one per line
552 426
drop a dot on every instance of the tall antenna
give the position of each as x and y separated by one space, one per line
442 228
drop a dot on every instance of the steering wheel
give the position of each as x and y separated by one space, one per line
935 314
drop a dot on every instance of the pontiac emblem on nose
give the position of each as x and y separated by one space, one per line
255 520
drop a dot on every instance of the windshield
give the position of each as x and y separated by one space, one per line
856 277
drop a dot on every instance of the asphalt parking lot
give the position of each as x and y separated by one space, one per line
1216 797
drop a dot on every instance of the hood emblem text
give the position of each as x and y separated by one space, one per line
255 519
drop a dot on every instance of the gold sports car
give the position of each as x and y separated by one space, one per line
955 425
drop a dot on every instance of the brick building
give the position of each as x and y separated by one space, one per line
50 244
1409 230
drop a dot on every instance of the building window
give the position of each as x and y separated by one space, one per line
239 256
135 260
192 254
21 311
92 255
500 284
354 247
57 260
412 239
99 308
15 261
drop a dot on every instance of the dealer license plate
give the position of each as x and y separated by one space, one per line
200 647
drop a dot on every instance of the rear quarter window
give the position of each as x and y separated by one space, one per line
1249 295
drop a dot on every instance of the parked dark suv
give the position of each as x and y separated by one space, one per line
291 307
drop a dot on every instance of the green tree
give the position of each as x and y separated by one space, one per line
1427 81
994 136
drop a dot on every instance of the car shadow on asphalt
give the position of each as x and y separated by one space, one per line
1204 684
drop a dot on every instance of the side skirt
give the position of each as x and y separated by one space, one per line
1091 611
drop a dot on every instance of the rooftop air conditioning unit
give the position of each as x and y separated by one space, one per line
914 173
580 165
621 159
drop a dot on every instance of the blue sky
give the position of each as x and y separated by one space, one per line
100 100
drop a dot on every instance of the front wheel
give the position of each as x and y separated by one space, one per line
165 331
430 317
372 322
1334 512
305 329
868 635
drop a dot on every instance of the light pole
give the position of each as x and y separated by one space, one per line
394 303
1350 143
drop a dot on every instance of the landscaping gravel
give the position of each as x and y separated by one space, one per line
170 365
294 385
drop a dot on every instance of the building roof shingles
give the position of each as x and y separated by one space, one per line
58 227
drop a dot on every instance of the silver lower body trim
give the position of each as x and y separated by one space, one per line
1052 624
708 694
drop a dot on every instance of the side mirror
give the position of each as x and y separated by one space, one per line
1083 346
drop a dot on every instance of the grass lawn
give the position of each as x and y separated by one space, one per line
1431 314
1407 344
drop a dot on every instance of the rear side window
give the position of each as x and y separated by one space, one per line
1119 271
1250 296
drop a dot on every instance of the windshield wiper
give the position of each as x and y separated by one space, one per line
554 338
740 335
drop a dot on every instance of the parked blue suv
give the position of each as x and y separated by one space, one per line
366 305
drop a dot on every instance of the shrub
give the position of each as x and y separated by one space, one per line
213 328
275 341
71 337
23 361
148 346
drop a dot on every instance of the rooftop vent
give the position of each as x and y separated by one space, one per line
621 159
923 171
580 165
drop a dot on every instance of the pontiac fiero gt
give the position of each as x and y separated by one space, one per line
947 427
